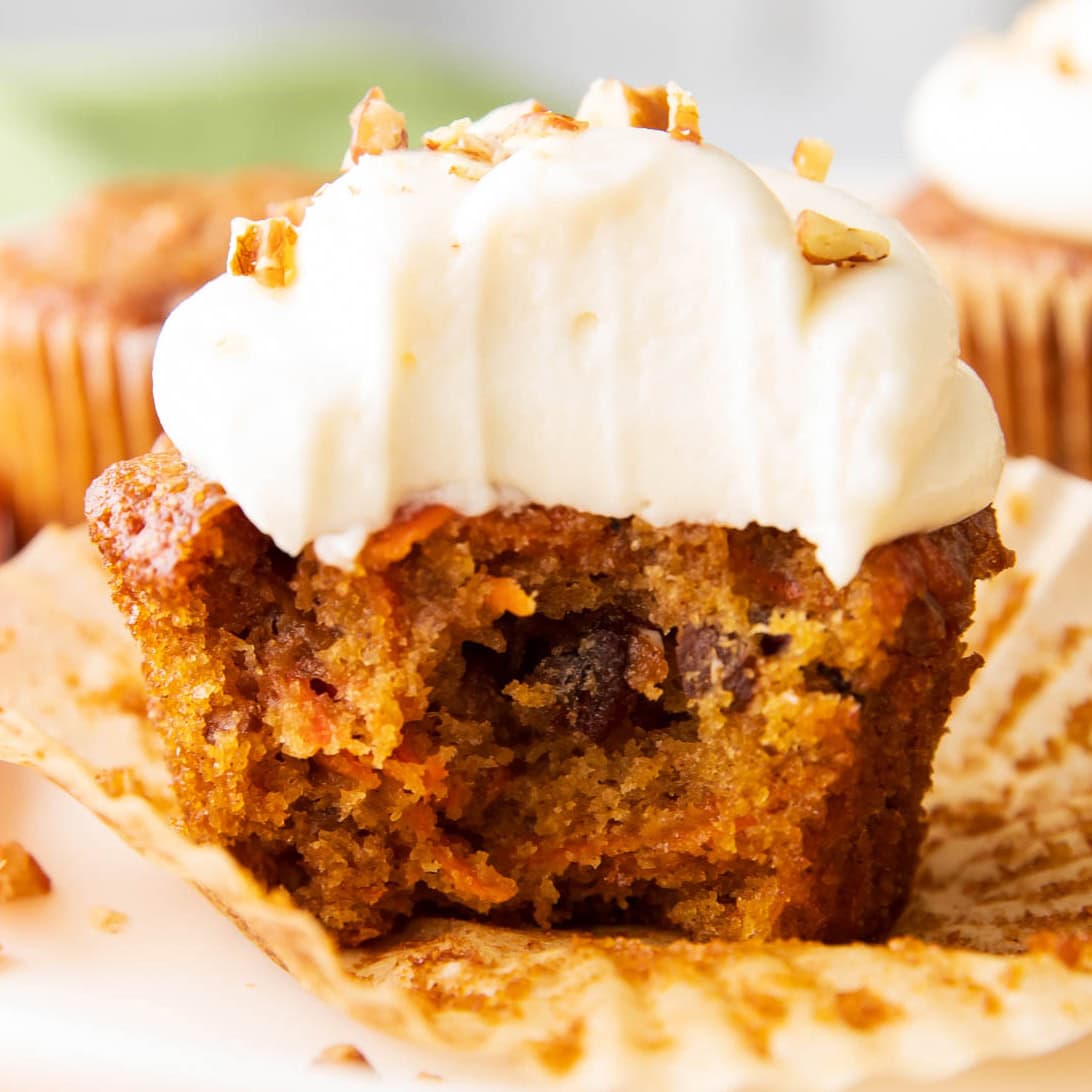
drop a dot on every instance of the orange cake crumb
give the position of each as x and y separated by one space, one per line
21 876
342 1054
107 920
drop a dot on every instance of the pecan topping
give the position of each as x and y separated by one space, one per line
682 115
472 170
376 127
612 102
484 144
264 250
811 158
497 120
462 136
542 123
824 241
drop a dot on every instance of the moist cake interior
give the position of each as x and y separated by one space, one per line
547 717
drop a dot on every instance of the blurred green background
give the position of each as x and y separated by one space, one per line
69 120
89 90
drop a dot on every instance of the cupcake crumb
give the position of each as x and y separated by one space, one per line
342 1054
865 1010
107 920
21 876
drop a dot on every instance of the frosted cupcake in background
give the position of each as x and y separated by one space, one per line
81 302
998 131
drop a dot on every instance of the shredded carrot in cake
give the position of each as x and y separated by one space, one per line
506 596
395 541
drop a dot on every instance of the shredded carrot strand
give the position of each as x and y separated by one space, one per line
395 541
505 595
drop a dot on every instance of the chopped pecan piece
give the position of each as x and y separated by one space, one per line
376 127
541 124
646 664
612 102
462 136
682 115
496 121
824 241
811 158
472 170
264 250
484 143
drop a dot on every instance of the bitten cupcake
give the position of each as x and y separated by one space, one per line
81 303
998 132
567 523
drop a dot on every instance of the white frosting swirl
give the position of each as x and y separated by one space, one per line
1001 123
611 320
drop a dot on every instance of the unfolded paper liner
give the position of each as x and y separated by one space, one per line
1026 327
75 396
990 960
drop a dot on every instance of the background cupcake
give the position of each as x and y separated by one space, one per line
81 302
998 131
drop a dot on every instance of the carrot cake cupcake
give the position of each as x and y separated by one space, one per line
81 302
997 131
565 524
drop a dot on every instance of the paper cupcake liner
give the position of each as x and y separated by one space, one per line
75 396
991 959
1027 329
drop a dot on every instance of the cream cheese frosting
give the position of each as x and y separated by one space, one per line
611 320
1001 122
